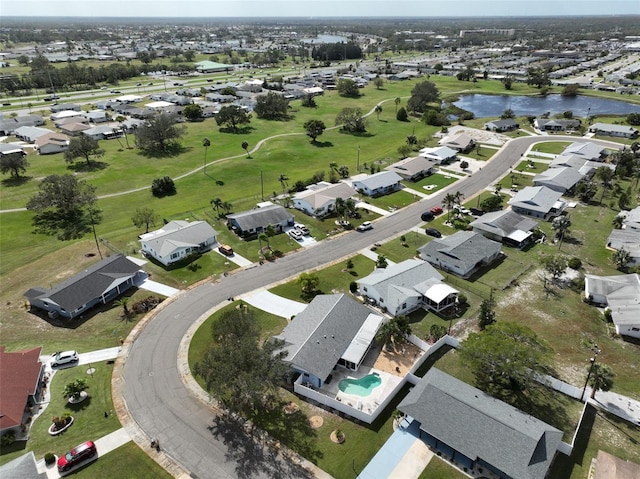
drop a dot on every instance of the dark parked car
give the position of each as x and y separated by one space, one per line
433 232
427 216
476 211
76 455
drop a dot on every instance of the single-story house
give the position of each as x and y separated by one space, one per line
99 283
96 116
482 435
412 169
620 131
255 221
461 142
632 219
65 106
588 150
627 239
219 98
51 143
439 155
21 375
403 287
10 149
103 132
545 124
253 86
560 179
66 114
500 126
505 226
539 202
177 240
30 133
8 126
128 98
379 184
22 467
621 295
579 163
334 330
73 129
320 199
462 253
69 121
606 466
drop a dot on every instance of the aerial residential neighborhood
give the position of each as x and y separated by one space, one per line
320 247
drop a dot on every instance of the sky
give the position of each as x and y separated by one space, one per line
310 9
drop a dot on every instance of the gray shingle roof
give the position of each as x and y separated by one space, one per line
88 284
177 234
480 426
318 337
562 177
464 249
380 180
503 223
535 198
261 217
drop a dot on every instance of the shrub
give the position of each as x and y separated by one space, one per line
462 299
402 114
575 263
607 315
163 187
49 458
353 286
8 438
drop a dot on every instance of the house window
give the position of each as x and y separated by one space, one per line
382 300
635 329
174 255
404 305
364 289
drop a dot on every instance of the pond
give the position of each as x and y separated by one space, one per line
485 106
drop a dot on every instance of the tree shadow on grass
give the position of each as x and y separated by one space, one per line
84 167
79 406
252 451
13 181
245 130
172 150
322 144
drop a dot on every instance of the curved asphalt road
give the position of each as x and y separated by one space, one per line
157 399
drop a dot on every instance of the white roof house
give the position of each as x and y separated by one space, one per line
559 179
400 288
607 129
319 199
538 201
379 184
178 239
439 155
632 220
621 294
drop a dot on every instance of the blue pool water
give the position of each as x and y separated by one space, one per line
360 387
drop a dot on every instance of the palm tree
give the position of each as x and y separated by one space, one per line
333 165
560 225
458 197
227 207
449 201
123 128
217 204
621 257
124 302
116 132
74 389
397 101
283 181
394 333
618 221
605 175
263 237
382 262
206 143
378 110
350 207
340 208
601 378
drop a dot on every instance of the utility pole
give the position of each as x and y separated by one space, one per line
596 351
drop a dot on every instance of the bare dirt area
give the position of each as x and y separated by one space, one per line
399 361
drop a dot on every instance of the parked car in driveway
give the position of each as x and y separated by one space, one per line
303 229
296 234
436 210
64 357
427 216
225 249
462 209
433 232
77 455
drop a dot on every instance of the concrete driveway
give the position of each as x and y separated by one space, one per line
274 304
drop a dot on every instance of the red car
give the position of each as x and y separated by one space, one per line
436 210
76 455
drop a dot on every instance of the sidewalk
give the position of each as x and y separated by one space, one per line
274 304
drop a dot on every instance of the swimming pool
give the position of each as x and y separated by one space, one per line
360 387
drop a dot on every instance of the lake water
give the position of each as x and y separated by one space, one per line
484 106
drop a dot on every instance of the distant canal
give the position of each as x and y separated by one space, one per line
484 106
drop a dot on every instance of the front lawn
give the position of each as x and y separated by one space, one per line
129 461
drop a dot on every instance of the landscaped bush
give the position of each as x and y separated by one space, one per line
462 299
353 287
163 187
145 305
8 438
49 458
575 263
